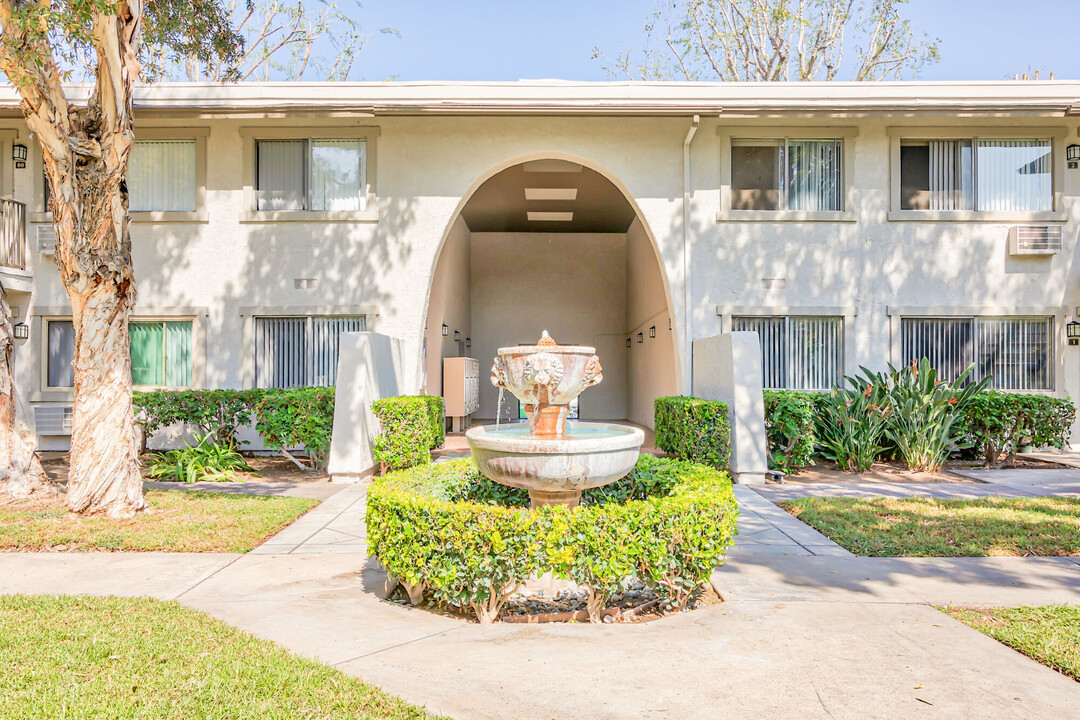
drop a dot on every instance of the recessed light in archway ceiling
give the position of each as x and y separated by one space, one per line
558 196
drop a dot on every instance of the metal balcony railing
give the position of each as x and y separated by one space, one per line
12 234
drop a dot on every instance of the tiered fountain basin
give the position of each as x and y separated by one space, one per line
556 469
553 458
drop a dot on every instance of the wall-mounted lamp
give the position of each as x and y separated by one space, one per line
640 338
627 342
652 331
1072 331
669 323
22 331
18 154
445 331
457 335
468 342
1072 154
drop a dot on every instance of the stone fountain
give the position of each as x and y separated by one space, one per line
553 458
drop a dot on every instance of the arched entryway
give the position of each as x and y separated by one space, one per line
553 243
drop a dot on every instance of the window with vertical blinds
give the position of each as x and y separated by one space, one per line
797 175
798 352
984 174
161 353
161 176
296 351
1015 352
310 174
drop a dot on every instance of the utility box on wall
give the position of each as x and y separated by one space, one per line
461 390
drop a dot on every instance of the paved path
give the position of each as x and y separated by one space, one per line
1019 482
831 636
317 490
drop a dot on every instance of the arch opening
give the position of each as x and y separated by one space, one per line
554 244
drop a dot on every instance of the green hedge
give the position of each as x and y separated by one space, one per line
218 413
297 417
790 420
285 417
998 424
440 528
412 426
693 429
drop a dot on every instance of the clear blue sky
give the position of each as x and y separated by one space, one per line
514 39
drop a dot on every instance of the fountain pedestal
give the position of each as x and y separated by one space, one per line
554 459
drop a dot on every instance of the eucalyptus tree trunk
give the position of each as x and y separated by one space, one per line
86 149
21 474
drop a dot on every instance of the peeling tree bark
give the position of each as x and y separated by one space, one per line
86 151
21 474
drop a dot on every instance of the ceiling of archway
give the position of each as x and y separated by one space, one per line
500 204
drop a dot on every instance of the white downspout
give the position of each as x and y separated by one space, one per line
688 347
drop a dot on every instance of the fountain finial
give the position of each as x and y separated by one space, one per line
546 340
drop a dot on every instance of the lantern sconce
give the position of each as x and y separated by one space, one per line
445 331
457 335
18 154
652 332
468 342
640 338
627 342
1072 155
1072 331
22 331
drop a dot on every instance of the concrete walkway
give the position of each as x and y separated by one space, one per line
808 631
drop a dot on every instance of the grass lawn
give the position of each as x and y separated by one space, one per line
83 657
924 527
175 521
1049 634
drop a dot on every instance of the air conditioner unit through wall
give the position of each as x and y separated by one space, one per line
1035 240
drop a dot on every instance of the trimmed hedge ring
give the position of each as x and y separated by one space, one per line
446 529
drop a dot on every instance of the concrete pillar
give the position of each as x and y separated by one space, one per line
369 368
727 368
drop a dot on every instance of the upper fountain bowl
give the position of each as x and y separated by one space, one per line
546 373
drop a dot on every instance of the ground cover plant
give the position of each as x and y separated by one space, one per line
175 521
206 460
929 527
1048 634
447 530
82 657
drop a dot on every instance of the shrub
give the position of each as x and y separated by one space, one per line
213 412
206 460
427 533
922 412
297 417
999 423
694 429
851 425
789 424
412 426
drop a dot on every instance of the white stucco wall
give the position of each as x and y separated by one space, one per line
651 364
449 304
572 285
224 270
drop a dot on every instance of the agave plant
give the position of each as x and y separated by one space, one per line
206 460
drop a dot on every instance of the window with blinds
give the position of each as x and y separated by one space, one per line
161 353
310 174
798 175
1014 352
798 352
161 176
984 174
296 351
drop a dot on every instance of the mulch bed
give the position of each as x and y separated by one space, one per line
268 469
